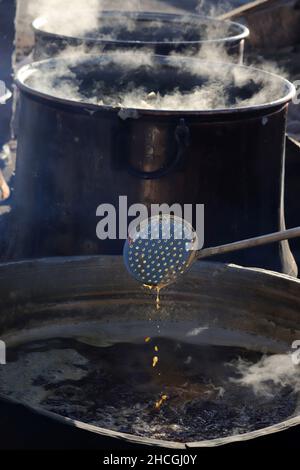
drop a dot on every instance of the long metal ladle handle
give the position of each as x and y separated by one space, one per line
250 243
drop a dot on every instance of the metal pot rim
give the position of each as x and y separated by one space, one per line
243 34
5 96
27 70
135 439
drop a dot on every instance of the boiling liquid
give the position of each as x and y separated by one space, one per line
114 387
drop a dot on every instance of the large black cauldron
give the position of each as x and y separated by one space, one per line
74 155
163 33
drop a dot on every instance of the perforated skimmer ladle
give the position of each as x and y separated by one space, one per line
161 249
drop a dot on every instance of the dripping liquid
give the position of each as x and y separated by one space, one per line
157 290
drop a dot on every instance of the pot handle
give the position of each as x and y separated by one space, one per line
182 137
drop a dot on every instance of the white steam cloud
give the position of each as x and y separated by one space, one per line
271 371
79 17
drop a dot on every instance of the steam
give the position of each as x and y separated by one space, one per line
93 21
138 81
219 7
77 18
214 86
271 371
